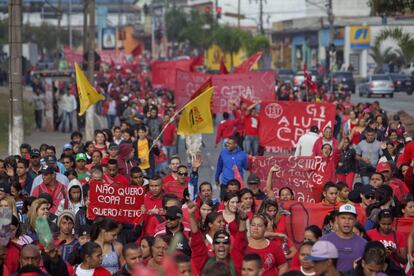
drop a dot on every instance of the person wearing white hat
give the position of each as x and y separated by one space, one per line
350 246
324 255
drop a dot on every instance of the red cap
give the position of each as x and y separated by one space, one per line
383 166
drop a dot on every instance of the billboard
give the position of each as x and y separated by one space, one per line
360 37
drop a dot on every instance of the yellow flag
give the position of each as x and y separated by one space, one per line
87 93
196 116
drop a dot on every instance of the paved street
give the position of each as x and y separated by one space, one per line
401 101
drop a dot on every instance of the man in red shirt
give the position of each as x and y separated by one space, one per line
51 186
172 166
153 198
112 176
325 139
169 137
251 133
225 129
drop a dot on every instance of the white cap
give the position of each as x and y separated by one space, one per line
347 209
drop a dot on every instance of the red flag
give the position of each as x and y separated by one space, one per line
197 61
247 65
310 84
238 176
223 68
137 50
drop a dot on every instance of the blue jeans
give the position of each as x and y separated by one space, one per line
170 151
111 120
66 123
251 144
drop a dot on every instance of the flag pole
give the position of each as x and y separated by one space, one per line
165 127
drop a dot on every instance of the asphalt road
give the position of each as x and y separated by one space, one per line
401 101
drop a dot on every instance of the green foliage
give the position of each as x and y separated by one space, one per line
176 20
46 36
258 43
229 39
401 56
390 7
199 30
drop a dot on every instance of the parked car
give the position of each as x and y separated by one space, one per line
402 83
345 78
284 75
377 85
408 69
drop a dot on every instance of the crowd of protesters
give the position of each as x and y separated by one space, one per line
186 230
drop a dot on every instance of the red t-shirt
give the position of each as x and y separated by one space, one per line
395 240
225 129
251 126
119 178
173 187
168 136
272 257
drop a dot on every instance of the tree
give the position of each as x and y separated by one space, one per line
229 39
258 43
404 54
199 30
176 22
382 58
390 7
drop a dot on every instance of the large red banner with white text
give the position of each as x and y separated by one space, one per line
186 84
305 176
228 89
282 123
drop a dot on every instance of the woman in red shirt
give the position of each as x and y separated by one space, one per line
394 242
100 142
231 201
246 199
213 223
271 208
273 259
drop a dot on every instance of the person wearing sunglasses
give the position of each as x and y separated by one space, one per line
183 181
367 193
230 254
174 226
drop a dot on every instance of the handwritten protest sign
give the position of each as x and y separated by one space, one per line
304 175
119 202
282 123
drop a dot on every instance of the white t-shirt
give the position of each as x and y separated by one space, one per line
84 272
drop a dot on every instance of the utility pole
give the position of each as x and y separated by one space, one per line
70 24
238 14
59 11
85 28
261 16
331 40
16 132
89 120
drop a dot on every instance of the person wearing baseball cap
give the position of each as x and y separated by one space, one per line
399 188
173 226
224 251
324 255
68 149
35 165
349 245
52 186
254 182
80 169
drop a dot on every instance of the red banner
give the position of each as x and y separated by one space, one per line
304 175
227 88
302 215
252 86
186 84
119 202
282 123
164 72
